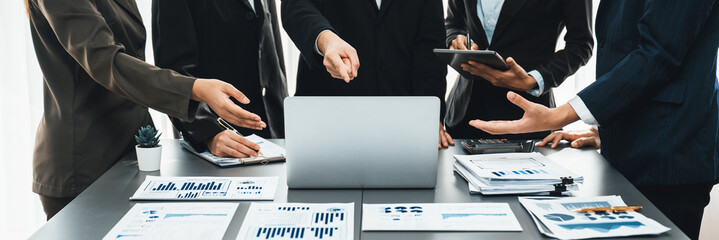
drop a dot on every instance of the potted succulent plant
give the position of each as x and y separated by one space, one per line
148 148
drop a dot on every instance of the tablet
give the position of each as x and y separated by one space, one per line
455 58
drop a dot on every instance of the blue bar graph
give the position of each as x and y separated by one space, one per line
296 232
328 218
520 172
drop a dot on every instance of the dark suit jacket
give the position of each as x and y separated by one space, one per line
655 97
227 40
527 31
96 86
394 45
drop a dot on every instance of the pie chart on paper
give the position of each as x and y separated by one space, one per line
559 217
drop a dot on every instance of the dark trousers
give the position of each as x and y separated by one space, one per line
53 205
682 204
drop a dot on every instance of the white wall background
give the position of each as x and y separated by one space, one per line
21 108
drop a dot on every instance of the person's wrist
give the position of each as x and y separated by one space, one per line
197 86
562 116
324 39
529 83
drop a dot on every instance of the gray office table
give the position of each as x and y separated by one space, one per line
94 212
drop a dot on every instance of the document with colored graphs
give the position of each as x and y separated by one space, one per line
207 188
176 221
439 217
327 221
558 218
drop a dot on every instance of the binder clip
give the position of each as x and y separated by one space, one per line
567 180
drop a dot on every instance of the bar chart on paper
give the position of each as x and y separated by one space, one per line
207 188
298 221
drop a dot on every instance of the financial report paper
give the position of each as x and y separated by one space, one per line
206 188
439 217
276 221
175 221
555 217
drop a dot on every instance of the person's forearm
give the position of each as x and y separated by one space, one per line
562 116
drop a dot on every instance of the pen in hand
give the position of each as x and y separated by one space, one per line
227 126
469 42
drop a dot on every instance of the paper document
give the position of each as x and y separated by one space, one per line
477 186
439 217
206 188
174 221
554 217
331 221
516 168
270 152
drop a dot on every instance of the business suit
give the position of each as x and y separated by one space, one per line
394 44
96 88
528 32
228 40
655 100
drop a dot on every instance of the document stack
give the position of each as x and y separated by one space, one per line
515 173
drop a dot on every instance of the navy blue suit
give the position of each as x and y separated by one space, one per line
655 100
655 97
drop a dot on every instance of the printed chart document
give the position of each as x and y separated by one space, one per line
516 168
331 221
439 217
479 187
207 188
554 217
270 152
174 221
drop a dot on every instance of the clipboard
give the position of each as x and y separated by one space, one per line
454 58
273 153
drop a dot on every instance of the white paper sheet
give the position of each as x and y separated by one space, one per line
554 217
478 187
206 188
439 217
275 221
175 221
515 168
269 152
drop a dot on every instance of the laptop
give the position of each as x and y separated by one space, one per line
361 142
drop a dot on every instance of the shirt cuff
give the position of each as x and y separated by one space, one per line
317 49
582 111
540 83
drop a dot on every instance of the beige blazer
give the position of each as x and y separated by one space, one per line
97 88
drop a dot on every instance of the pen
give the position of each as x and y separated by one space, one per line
227 126
469 42
610 209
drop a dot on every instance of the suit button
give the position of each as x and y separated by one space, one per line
601 42
140 53
250 15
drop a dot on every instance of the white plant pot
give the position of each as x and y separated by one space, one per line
148 159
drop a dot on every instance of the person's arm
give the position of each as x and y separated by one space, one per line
317 40
175 46
87 38
303 23
455 23
577 51
667 31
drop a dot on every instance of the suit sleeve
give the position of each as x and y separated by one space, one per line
303 22
667 30
456 22
428 71
578 48
175 45
85 35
